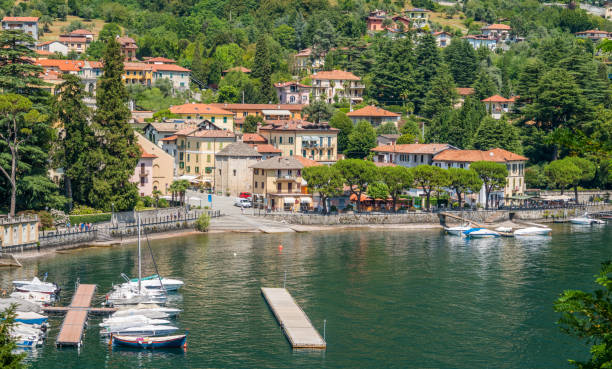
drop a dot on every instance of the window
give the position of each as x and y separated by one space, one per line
181 165
255 184
262 185
208 158
197 158
188 157
290 140
188 169
219 171
279 187
197 169
290 152
234 172
280 139
208 146
289 186
299 173
224 119
328 141
212 119
329 153
220 145
198 144
292 99
188 144
304 153
142 181
256 171
181 156
244 114
278 173
422 158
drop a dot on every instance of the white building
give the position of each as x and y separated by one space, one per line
53 47
374 115
443 39
178 75
28 25
408 155
336 85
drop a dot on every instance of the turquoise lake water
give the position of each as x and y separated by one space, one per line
391 298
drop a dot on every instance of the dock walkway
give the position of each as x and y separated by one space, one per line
292 319
71 332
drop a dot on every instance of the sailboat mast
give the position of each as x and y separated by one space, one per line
139 261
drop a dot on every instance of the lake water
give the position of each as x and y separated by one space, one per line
391 298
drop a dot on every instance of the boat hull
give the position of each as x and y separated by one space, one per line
177 341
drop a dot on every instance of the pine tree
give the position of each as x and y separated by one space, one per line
428 60
484 86
393 75
77 140
262 69
461 59
18 72
528 80
494 133
117 152
442 94
8 358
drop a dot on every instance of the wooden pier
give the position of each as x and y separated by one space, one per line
71 332
295 324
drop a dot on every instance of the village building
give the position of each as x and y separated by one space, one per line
443 38
196 149
336 85
253 139
497 31
221 118
293 93
317 142
128 47
266 111
143 173
52 79
608 11
478 41
233 174
162 166
408 155
304 61
159 60
157 131
278 184
178 75
52 47
374 22
498 105
137 73
374 115
515 182
463 93
28 25
19 231
419 18
387 139
83 33
76 43
236 69
594 35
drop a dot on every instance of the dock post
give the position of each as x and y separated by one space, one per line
285 279
324 326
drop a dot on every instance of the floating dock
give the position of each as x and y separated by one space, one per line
295 323
71 332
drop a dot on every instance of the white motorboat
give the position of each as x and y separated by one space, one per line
152 312
30 318
480 233
36 285
533 231
145 330
504 229
456 231
35 297
586 220
131 324
153 283
131 321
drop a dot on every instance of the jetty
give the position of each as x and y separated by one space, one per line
444 215
71 331
295 323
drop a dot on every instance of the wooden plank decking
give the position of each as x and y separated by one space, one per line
295 323
71 331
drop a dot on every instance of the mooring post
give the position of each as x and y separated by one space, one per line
285 280
324 326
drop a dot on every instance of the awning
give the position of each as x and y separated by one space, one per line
305 200
275 112
289 200
519 197
187 178
556 198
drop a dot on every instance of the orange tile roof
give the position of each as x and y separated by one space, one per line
44 52
160 59
378 164
20 19
335 75
307 162
125 40
51 75
171 138
266 149
146 154
442 32
496 98
469 156
372 111
136 66
198 109
498 26
169 67
63 65
253 137
81 32
433 148
237 69
305 52
296 125
46 43
290 83
230 106
66 38
465 91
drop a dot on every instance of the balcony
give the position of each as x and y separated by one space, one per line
286 178
144 173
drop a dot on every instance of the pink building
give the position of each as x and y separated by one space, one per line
143 174
292 93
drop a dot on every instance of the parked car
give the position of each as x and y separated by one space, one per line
245 195
245 203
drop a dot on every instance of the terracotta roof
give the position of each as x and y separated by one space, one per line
469 156
169 67
291 83
335 75
170 127
67 38
95 64
210 133
266 149
305 52
198 109
433 148
279 162
125 40
63 65
442 32
136 66
46 43
160 59
297 125
170 138
237 69
51 75
81 32
498 26
44 52
238 149
229 106
465 91
591 31
20 19
253 137
496 98
146 154
307 162
372 111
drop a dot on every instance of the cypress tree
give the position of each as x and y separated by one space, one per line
262 69
428 60
461 58
484 86
442 94
494 133
117 152
393 75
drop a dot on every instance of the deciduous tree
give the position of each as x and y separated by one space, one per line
493 176
361 139
397 179
463 180
357 174
342 122
430 178
325 180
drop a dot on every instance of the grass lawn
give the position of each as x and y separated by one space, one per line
56 27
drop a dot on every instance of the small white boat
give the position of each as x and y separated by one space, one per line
31 318
145 330
35 297
533 231
152 283
480 233
456 231
129 296
36 285
152 312
131 321
581 221
504 229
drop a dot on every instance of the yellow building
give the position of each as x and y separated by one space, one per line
221 118
196 149
278 183
137 73
163 164
267 111
419 18
19 231
297 137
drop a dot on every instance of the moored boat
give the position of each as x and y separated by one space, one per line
153 283
153 312
145 330
149 342
35 297
533 231
456 231
30 318
480 233
36 285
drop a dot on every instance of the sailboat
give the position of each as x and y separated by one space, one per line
128 294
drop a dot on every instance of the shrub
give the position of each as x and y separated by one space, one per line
333 208
163 203
93 218
46 219
202 223
84 210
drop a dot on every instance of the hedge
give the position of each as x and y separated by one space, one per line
92 218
